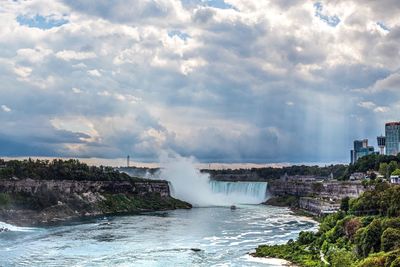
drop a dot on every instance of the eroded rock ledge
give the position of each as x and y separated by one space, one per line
32 202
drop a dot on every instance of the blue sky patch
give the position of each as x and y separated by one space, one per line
40 22
182 35
212 3
332 21
218 4
383 26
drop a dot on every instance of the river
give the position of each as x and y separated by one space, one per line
224 237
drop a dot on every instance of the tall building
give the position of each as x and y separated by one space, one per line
381 140
392 132
360 149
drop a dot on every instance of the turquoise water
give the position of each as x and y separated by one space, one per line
223 236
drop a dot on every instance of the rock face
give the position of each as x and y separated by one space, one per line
331 189
30 202
32 187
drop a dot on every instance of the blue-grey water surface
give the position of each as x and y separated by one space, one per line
156 239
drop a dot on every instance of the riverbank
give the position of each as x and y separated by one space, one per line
28 202
291 202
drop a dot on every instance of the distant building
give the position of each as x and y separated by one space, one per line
357 176
392 132
360 149
302 178
395 179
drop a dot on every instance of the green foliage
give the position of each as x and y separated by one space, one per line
396 172
262 174
292 252
369 240
384 200
340 258
119 203
368 235
284 201
306 238
396 262
383 169
58 170
4 199
373 261
390 239
345 204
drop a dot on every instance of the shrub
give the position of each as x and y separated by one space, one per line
390 239
306 238
4 199
372 261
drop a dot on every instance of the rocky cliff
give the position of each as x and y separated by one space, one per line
329 189
30 202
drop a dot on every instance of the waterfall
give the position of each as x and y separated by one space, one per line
189 184
241 192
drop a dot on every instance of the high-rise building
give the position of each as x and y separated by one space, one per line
381 140
392 132
360 149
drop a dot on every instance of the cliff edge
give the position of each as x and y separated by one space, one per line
30 202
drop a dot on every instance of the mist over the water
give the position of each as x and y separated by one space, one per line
189 184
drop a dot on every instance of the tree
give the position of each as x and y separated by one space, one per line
396 172
369 240
340 258
390 239
383 169
306 238
344 204
392 167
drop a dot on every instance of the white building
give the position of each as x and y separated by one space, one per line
395 179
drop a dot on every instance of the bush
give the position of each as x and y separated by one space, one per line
4 199
396 263
390 239
340 258
369 239
345 204
373 261
306 238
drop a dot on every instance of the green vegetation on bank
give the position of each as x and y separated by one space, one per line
283 201
366 233
384 164
59 170
117 203
263 174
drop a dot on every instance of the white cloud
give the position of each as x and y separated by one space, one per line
94 73
367 104
240 81
5 108
74 55
22 71
76 90
381 109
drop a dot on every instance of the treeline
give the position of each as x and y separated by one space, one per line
365 233
263 174
384 164
58 170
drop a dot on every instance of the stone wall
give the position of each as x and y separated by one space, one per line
318 206
328 189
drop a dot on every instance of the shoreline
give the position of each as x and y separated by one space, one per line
271 260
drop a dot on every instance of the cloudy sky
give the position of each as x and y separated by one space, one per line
222 80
